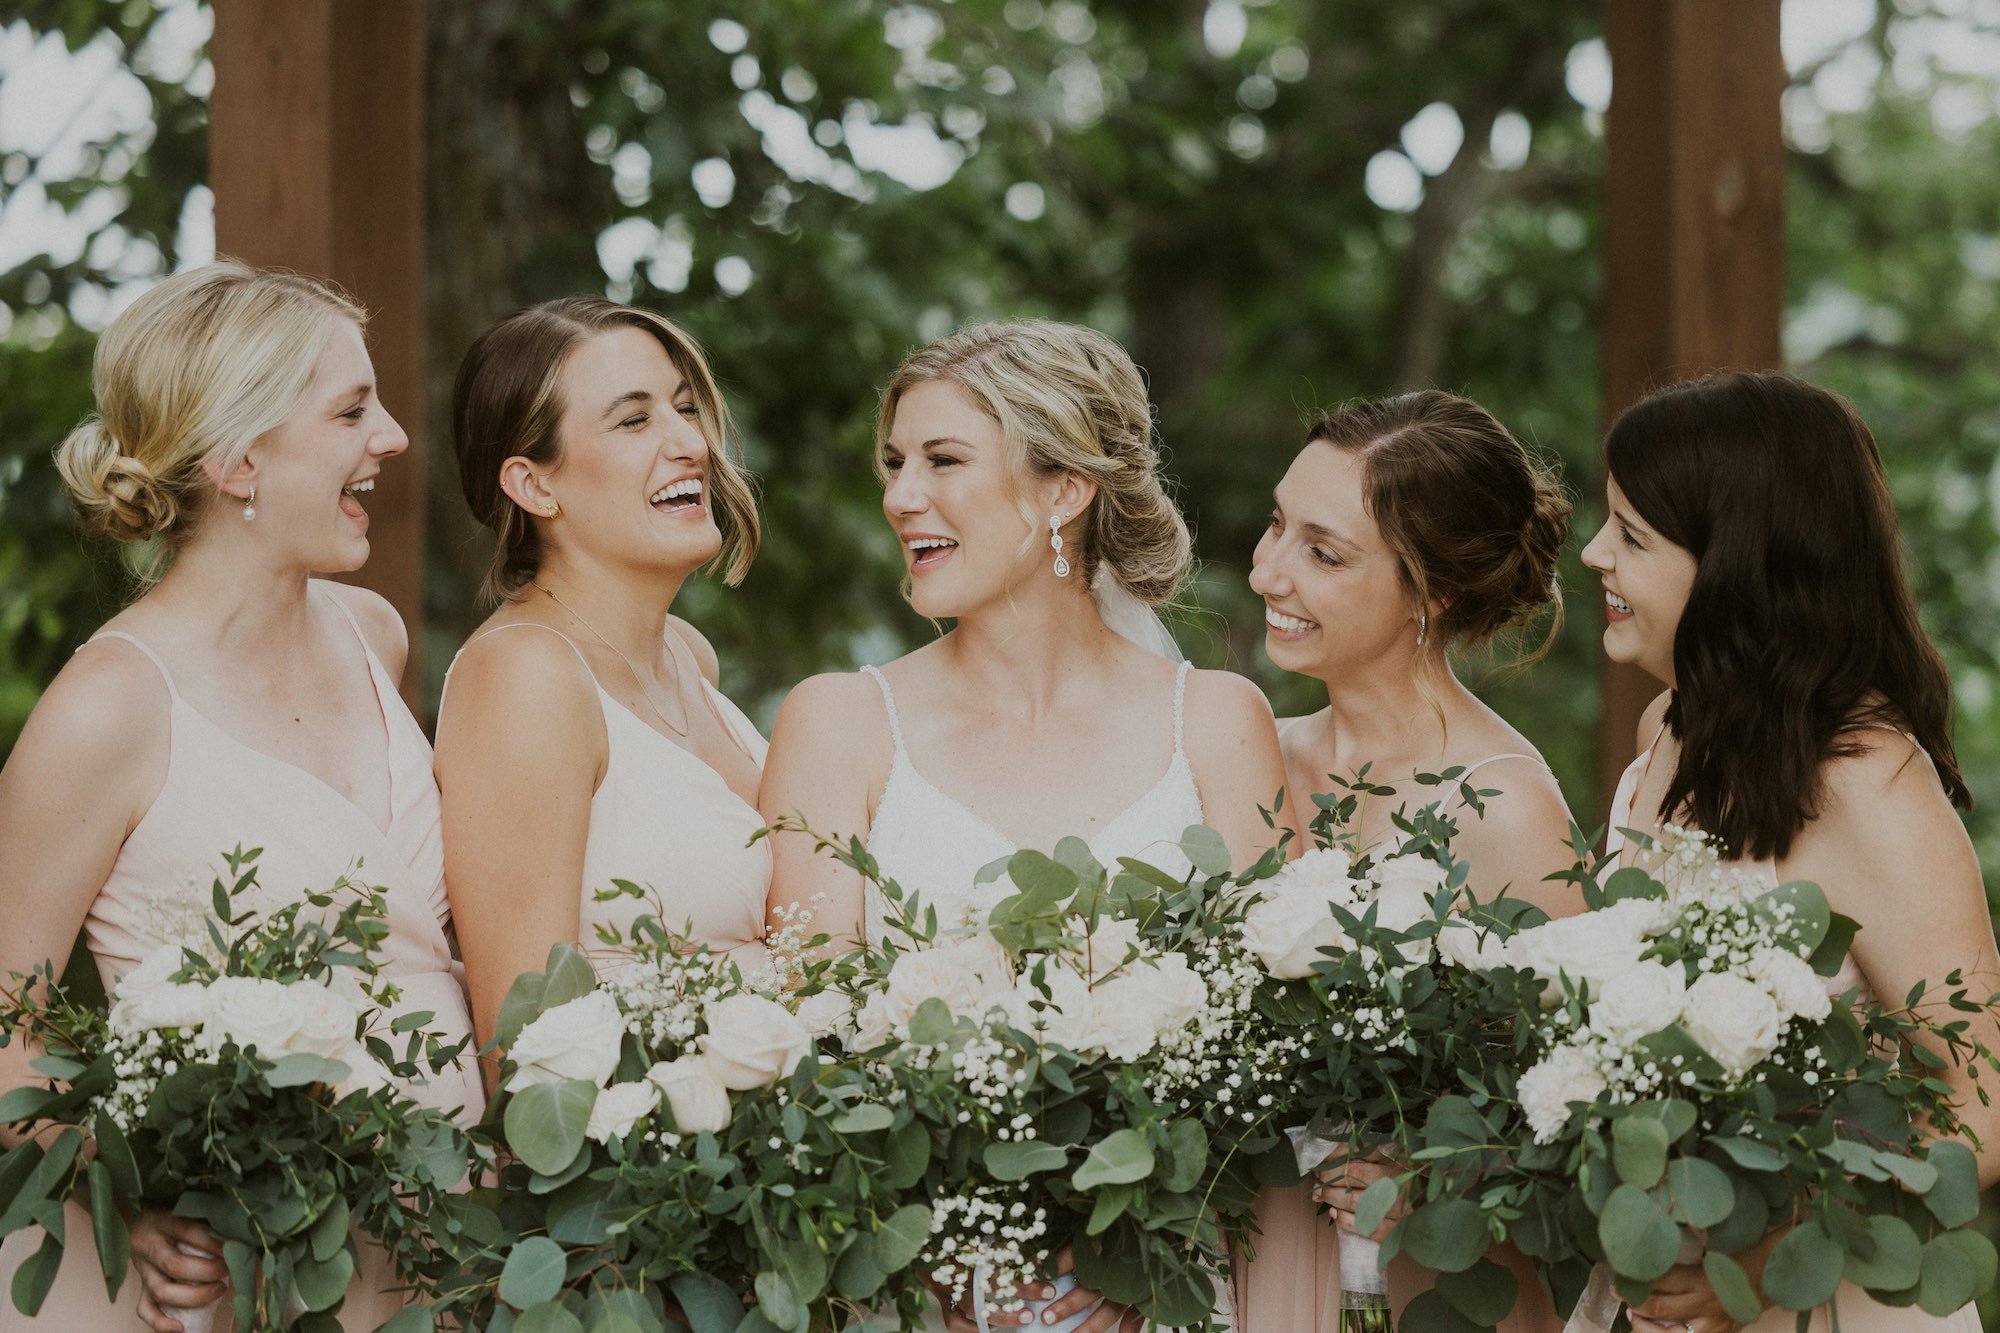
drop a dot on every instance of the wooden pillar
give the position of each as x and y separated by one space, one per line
1694 245
316 156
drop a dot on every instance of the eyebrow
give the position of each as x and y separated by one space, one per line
360 390
888 445
629 396
1317 530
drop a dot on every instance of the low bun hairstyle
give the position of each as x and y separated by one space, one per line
196 369
1476 524
1068 399
507 402
1800 633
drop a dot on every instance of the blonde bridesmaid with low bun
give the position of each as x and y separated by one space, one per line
239 701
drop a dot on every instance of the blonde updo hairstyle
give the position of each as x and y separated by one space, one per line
1476 524
1067 399
507 402
196 369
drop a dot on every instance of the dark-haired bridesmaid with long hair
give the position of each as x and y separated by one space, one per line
1750 564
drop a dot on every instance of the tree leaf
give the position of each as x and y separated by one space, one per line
1698 1192
1119 1158
1205 849
1957 1265
108 1229
1639 1150
545 1124
534 1273
1449 1235
1804 1268
1023 1158
1898 1258
323 1283
1732 1287
901 1237
1483 1293
1640 1241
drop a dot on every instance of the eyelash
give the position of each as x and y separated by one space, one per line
1626 534
893 464
1276 524
355 413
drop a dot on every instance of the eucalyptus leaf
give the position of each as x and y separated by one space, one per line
1449 1235
1640 1241
1022 1158
901 1237
1119 1158
545 1124
1804 1268
534 1273
1732 1287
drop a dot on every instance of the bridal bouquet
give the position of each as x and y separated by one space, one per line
242 1077
675 1150
1690 1088
1071 1063
1370 960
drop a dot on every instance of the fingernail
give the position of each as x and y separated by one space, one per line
1048 1293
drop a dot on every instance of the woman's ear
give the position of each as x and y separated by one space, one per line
239 481
1072 494
527 488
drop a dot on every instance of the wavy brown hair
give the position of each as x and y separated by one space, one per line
507 403
1799 631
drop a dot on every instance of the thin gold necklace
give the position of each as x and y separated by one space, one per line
680 730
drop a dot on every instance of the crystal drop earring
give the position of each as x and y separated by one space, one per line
1056 544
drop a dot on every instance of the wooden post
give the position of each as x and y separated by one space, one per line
316 156
1694 246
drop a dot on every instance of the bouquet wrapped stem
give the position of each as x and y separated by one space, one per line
1364 1287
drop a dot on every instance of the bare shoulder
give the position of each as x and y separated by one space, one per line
1655 717
1526 797
381 627
1220 705
104 719
698 644
835 710
522 671
1889 779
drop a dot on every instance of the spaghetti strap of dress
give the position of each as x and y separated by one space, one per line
139 643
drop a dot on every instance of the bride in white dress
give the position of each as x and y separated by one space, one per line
1020 475
1749 560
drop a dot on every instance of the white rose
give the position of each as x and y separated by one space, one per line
253 1013
1799 991
1067 1015
172 1005
1475 948
752 1042
577 1039
364 1072
619 1107
1589 948
825 1013
1108 946
1639 1001
326 1020
1735 1020
1405 886
1286 929
968 976
694 1094
1567 1074
152 972
1164 992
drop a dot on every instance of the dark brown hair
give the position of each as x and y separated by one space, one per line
1800 630
506 403
1475 523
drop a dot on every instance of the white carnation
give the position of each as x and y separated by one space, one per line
1567 1074
1799 991
1638 1001
752 1042
619 1107
577 1039
1734 1019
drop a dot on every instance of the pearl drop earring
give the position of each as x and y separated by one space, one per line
250 505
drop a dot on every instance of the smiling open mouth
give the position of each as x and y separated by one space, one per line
684 494
1285 624
930 551
1617 603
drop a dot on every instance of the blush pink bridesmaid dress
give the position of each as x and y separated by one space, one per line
220 794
